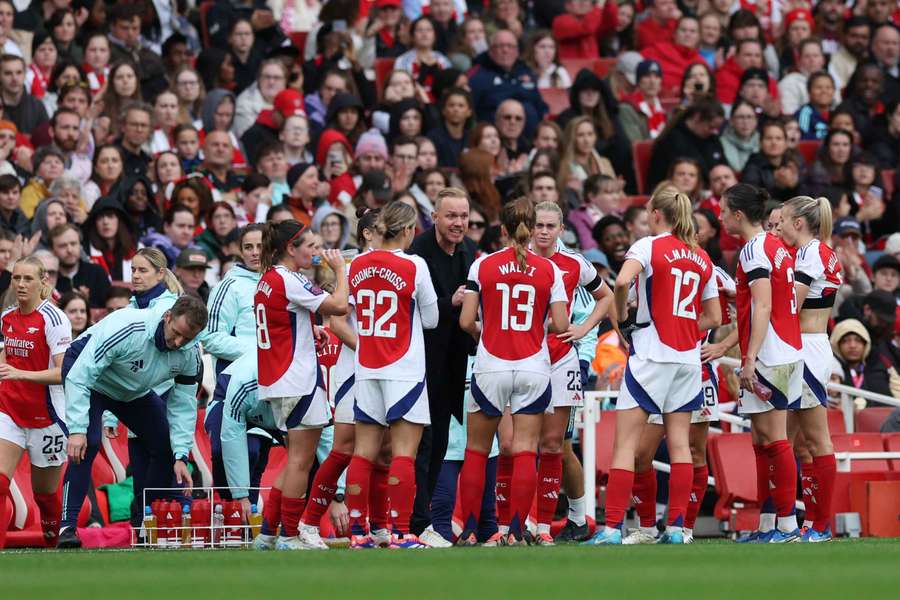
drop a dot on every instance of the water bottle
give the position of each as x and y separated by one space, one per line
256 520
163 518
761 391
218 526
233 524
149 526
187 536
201 521
175 524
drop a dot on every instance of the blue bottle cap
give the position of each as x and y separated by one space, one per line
148 510
253 508
186 510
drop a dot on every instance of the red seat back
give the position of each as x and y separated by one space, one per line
603 66
861 442
892 444
734 467
836 421
557 100
298 39
202 450
606 436
808 150
641 152
115 451
870 419
383 68
574 65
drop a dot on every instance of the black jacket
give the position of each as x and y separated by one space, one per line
89 275
760 172
448 148
680 142
878 140
446 346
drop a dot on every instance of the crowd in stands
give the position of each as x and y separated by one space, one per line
172 124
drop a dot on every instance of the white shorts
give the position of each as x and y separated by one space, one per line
565 381
709 410
785 383
525 392
382 402
46 446
344 399
817 358
301 412
660 388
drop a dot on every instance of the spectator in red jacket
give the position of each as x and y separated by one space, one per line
676 56
749 54
579 29
659 25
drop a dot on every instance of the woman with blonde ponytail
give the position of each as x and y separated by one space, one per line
677 299
514 290
154 284
36 335
806 225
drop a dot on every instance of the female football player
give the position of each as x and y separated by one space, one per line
36 335
806 225
515 290
663 373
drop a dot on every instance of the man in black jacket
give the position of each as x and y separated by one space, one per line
449 254
75 273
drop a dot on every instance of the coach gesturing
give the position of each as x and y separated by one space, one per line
449 254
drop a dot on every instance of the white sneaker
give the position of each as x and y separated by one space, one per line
639 536
434 539
381 538
294 543
309 536
688 536
264 542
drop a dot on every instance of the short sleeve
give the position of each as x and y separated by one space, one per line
754 261
724 280
58 332
558 288
302 292
641 251
587 277
425 293
473 285
711 289
809 267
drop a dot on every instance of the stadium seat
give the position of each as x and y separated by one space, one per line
557 100
202 451
808 150
204 26
603 66
298 39
383 68
887 179
277 458
574 65
606 436
870 419
638 200
892 444
836 422
102 474
861 442
733 464
97 314
669 103
115 451
641 152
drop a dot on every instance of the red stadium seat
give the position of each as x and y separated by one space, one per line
861 442
606 435
733 464
557 100
602 66
836 421
97 314
204 26
115 451
202 451
892 444
887 178
102 474
298 39
641 152
574 65
870 419
669 103
808 150
277 460
383 68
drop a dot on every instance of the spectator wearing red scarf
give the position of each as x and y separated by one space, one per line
645 99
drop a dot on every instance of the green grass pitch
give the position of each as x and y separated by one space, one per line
846 569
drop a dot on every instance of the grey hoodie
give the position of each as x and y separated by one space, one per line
324 211
211 103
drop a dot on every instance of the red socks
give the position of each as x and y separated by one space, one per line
359 475
644 497
698 491
762 477
471 488
549 475
522 488
402 486
4 514
50 507
504 476
781 458
618 492
272 513
379 499
825 472
679 492
808 486
324 487
291 509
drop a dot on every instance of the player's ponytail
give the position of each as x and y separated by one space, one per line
517 217
159 262
367 218
394 219
677 210
815 211
275 239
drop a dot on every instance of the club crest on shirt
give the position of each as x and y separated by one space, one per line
33 330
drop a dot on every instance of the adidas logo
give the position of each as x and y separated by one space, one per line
551 496
321 501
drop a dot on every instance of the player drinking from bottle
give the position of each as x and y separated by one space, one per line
565 371
806 225
771 375
663 373
516 291
290 378
36 335
393 300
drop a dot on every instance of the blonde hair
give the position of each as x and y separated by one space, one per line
548 206
450 192
34 261
816 212
158 261
394 219
518 218
677 209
